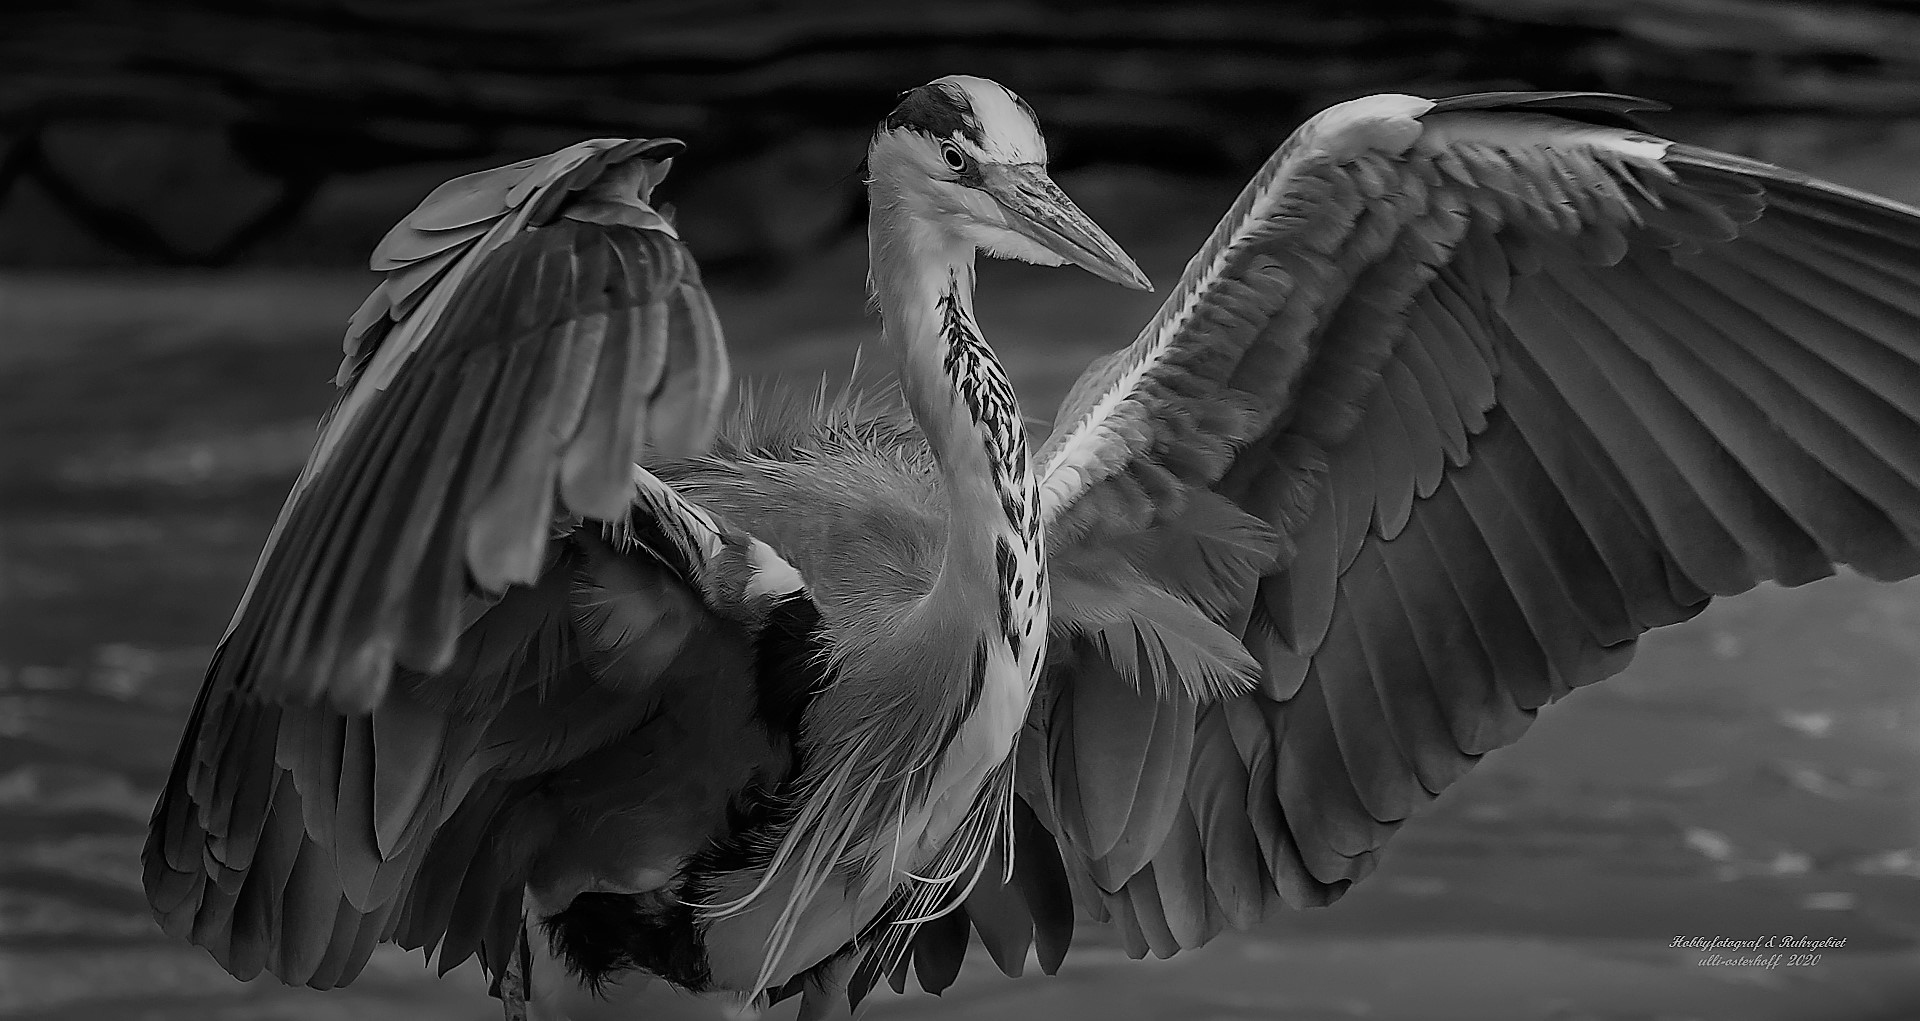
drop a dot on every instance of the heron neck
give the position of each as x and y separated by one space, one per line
959 394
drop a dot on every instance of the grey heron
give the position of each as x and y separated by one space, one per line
1460 398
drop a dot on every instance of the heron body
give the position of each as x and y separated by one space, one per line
931 678
1460 398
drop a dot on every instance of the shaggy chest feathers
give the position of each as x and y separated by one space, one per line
847 490
933 595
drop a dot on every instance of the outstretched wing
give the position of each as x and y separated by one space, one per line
1474 392
538 328
428 636
292 838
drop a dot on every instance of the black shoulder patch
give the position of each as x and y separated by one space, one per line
601 936
790 668
937 111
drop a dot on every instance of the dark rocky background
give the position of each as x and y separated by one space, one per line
187 190
216 132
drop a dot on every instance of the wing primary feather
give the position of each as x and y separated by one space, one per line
1000 918
1871 348
356 852
456 848
938 950
488 451
1691 530
339 946
1483 717
1180 875
419 555
255 935
1842 260
1042 879
596 471
1165 758
508 529
1867 378
1217 797
1470 378
311 740
378 548
580 338
307 911
251 934
1330 824
242 787
1264 724
370 930
1816 470
1395 473
280 844
431 611
1524 571
1300 602
1366 733
1146 916
473 905
1750 477
1765 540
1354 480
307 579
1111 724
1657 587
1403 632
1852 430
212 920
1570 554
1426 439
408 739
685 416
1822 209
1394 647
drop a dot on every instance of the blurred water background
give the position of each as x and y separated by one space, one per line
187 191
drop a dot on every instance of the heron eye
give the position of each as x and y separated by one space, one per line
956 160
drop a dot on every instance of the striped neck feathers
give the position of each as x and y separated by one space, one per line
922 278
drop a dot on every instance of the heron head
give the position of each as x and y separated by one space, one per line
967 156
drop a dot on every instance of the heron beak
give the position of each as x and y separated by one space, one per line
1038 209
